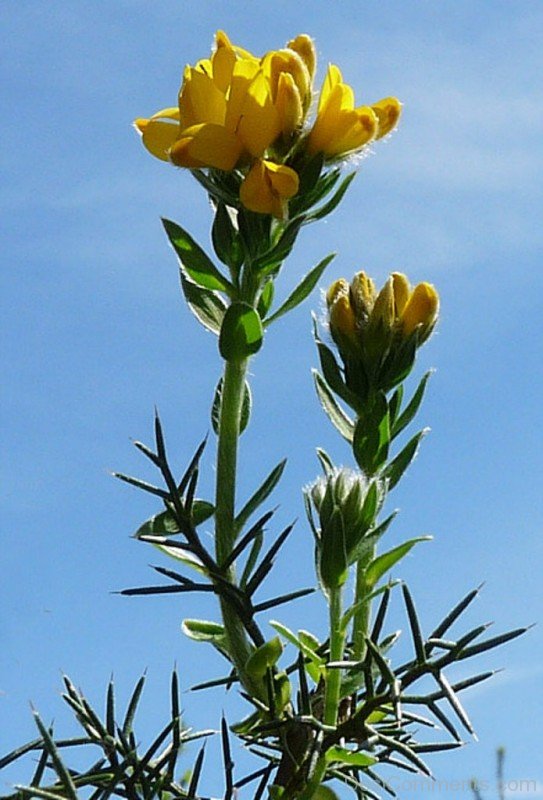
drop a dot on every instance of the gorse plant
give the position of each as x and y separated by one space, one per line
341 707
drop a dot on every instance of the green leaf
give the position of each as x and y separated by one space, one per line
271 260
337 416
208 307
194 261
241 332
372 436
201 630
264 657
412 407
245 408
304 200
383 563
226 239
263 491
183 556
328 207
164 523
252 559
396 468
302 645
304 288
351 757
266 298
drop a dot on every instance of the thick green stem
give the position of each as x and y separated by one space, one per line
362 617
233 388
337 643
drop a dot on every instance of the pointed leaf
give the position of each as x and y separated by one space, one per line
383 563
337 416
328 207
261 494
194 261
304 288
208 307
226 239
351 757
245 408
396 468
412 407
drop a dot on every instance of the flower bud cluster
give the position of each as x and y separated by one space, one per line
377 333
237 111
342 509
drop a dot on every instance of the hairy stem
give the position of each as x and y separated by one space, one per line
233 388
361 621
337 642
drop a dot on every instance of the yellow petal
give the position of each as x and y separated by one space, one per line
402 291
288 104
304 46
336 289
363 295
200 100
342 319
383 310
278 62
222 40
243 73
354 130
206 145
259 124
388 113
157 135
333 77
421 309
267 187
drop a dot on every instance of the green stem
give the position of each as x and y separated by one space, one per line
362 617
337 643
233 388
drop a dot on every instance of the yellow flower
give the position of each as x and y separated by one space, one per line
268 187
421 310
343 321
340 128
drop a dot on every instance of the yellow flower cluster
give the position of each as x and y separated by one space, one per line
237 111
357 312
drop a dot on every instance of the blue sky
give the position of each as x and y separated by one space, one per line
94 334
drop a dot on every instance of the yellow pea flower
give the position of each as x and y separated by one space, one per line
342 317
422 310
340 128
303 45
267 188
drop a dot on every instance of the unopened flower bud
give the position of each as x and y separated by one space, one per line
303 45
421 310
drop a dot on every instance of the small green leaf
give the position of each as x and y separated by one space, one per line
351 757
266 298
241 332
302 645
194 261
412 407
271 260
245 408
226 239
164 523
337 416
304 288
383 563
208 307
334 201
396 468
264 657
201 630
261 494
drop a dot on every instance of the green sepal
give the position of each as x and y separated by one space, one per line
304 288
337 416
333 555
324 185
380 565
208 307
226 240
412 407
198 266
262 493
332 373
245 408
352 757
264 657
241 332
396 468
372 436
